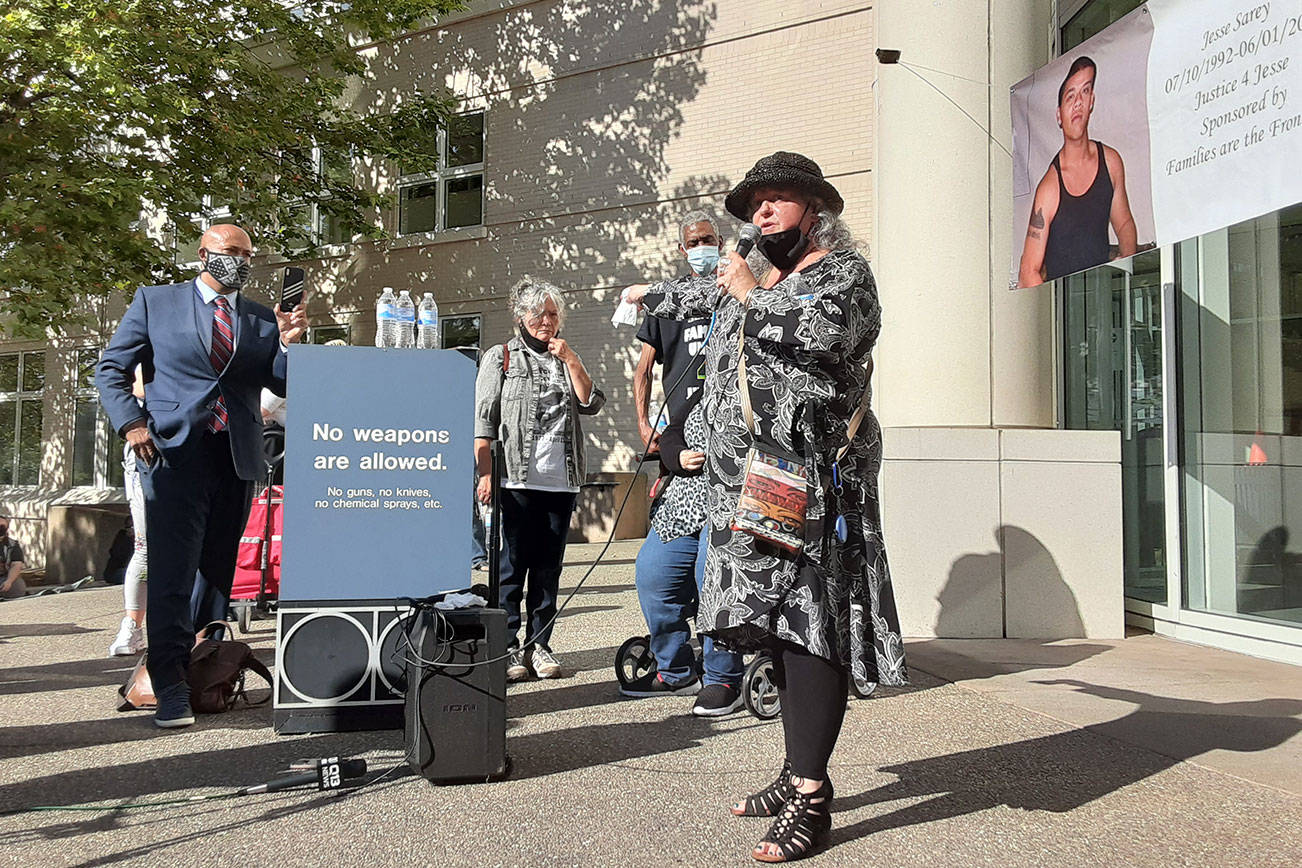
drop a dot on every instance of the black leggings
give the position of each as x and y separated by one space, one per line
813 692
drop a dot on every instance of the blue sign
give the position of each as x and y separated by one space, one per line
379 481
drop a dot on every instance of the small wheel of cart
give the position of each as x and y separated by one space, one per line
634 660
243 615
863 690
758 690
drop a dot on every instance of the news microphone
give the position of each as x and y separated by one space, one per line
329 773
750 233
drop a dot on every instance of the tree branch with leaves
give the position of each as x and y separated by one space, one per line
112 113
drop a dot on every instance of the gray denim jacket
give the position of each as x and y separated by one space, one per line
506 407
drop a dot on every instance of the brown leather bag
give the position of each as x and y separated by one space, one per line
216 676
217 673
138 692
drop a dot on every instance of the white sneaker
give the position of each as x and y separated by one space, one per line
544 664
130 640
516 670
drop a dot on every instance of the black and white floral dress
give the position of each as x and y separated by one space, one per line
807 342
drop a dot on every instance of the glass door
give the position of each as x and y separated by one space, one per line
1241 419
1112 329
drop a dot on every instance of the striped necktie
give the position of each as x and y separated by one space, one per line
223 344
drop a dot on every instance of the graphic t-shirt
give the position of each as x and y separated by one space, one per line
677 344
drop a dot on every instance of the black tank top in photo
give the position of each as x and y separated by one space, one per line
1078 235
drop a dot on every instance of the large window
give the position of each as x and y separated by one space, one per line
22 381
324 334
452 196
96 447
1091 17
461 331
186 251
313 224
1241 417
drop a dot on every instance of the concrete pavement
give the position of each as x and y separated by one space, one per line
1140 752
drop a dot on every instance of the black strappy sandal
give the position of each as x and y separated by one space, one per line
768 801
801 828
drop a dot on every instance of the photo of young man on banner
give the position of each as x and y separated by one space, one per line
1082 193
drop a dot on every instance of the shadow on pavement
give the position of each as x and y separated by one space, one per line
556 751
582 610
952 660
1066 770
100 671
15 631
155 777
557 699
285 805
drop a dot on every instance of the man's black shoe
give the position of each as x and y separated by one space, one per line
716 700
652 684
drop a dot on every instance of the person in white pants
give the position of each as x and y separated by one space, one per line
131 635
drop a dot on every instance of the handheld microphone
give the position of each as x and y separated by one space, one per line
330 773
750 233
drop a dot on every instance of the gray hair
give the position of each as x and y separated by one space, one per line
530 295
831 232
691 218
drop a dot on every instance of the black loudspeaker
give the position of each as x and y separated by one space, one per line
456 710
339 666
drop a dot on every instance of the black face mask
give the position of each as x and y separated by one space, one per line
536 344
785 248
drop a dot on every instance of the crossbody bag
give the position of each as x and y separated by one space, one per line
775 491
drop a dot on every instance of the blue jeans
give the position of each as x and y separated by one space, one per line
669 576
478 550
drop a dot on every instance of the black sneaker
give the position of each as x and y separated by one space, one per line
174 707
716 700
652 684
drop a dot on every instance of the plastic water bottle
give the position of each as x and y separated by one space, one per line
427 323
386 324
406 309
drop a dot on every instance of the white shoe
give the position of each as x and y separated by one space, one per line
516 667
544 664
130 640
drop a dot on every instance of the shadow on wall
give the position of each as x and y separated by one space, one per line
1270 583
977 583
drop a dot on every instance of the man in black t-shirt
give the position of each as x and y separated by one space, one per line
675 344
12 585
668 573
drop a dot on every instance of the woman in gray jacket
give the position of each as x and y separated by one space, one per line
531 394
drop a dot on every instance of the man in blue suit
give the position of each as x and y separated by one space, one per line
198 437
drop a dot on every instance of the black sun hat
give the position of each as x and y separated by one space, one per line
783 170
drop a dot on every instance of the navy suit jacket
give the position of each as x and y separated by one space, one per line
161 330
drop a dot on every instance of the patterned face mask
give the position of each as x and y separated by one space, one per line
231 271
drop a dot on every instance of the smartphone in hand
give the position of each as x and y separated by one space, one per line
291 288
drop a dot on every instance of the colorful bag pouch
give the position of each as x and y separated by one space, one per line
775 491
774 497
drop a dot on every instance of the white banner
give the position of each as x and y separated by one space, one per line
1181 118
1225 110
